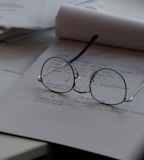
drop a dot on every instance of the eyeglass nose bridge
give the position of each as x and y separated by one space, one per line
76 76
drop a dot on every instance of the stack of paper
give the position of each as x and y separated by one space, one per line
74 22
18 18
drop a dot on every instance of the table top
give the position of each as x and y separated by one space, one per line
16 148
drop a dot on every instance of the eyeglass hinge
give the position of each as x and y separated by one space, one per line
39 78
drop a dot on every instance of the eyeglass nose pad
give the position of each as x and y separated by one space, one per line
76 73
91 77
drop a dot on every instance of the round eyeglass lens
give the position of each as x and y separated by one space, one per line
57 75
108 87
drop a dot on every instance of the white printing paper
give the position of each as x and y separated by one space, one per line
74 119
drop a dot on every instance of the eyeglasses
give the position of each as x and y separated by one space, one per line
106 85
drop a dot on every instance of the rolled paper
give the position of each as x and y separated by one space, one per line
77 23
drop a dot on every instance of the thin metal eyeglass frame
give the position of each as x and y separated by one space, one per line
93 39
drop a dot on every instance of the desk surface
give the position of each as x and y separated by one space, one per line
15 148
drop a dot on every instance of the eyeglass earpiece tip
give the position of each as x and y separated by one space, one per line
129 99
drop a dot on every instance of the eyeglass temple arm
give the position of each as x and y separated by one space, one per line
73 59
85 48
135 93
40 78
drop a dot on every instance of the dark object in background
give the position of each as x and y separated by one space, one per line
68 153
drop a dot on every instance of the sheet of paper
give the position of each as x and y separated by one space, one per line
18 54
91 4
54 6
6 80
113 29
126 8
74 119
23 13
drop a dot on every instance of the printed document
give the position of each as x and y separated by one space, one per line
72 119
